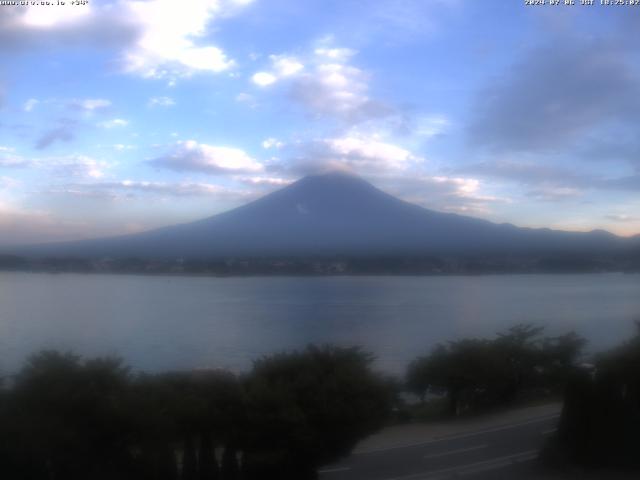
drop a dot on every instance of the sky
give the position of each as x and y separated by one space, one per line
119 116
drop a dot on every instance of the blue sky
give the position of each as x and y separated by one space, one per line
119 116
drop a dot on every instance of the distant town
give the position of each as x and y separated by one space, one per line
339 265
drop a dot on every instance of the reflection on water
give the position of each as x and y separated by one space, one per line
161 323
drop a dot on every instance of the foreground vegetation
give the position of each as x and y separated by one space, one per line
601 416
64 418
517 366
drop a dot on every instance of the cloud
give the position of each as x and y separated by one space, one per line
157 38
266 181
371 153
555 194
8 159
179 189
548 181
622 218
555 96
271 142
127 189
528 173
20 226
161 102
8 182
114 123
244 97
286 66
455 194
335 54
121 147
30 104
615 145
263 79
328 86
90 105
78 166
168 45
38 27
62 133
199 157
282 66
364 154
337 90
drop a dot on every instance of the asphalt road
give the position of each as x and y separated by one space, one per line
502 451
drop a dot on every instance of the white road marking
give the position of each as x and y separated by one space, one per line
453 452
485 465
334 470
462 435
550 431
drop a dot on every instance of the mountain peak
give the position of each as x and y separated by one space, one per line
333 175
333 180
336 213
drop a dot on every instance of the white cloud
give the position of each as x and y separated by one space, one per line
8 182
30 104
121 147
337 90
335 54
272 143
282 66
431 126
621 217
326 84
168 46
247 99
263 79
269 181
157 38
90 104
78 166
285 66
48 18
554 193
356 153
440 192
127 189
161 102
114 123
173 189
194 156
8 159
371 152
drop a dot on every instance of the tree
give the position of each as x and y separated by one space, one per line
309 408
479 373
68 418
601 416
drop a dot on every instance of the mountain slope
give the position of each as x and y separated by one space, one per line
334 214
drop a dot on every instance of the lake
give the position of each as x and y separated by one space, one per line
169 322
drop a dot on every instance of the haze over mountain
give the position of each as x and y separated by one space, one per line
336 214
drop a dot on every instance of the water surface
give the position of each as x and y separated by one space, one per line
164 322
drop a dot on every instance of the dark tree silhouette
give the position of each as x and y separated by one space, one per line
601 416
477 373
69 418
64 418
309 408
